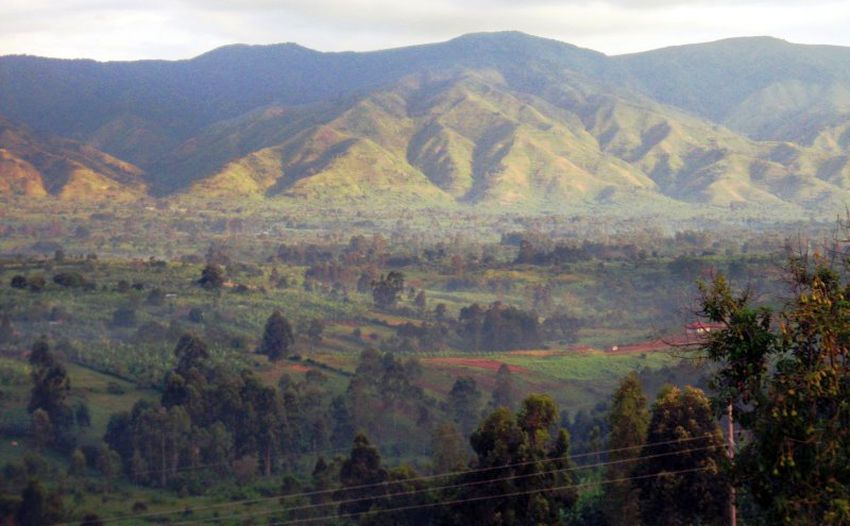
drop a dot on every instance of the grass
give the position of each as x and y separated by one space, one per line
589 365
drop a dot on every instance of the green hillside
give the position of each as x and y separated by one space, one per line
484 120
470 138
34 167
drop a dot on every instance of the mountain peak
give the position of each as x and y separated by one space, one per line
499 117
236 51
518 39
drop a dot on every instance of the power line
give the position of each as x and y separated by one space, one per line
485 497
439 488
415 479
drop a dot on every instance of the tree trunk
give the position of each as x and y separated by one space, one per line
175 459
730 445
163 475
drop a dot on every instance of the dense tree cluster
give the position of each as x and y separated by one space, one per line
498 328
207 416
424 336
383 388
786 375
563 253
464 403
629 420
386 289
7 331
329 272
73 280
530 468
53 418
679 473
521 474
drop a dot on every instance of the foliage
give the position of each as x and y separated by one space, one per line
464 403
49 392
124 317
278 337
504 392
212 277
789 386
38 507
449 451
517 453
499 327
680 479
385 291
629 420
362 468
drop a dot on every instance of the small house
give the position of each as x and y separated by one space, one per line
699 328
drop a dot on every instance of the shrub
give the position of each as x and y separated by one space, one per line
155 297
36 283
69 279
196 315
124 317
114 388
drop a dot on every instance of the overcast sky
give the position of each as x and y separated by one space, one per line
134 29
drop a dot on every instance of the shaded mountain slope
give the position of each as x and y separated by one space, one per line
763 87
471 138
84 99
497 119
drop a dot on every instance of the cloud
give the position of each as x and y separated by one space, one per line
128 29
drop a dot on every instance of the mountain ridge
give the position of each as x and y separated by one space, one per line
492 119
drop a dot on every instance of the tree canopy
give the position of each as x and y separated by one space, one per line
787 375
278 337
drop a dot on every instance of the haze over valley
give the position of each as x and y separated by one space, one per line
498 280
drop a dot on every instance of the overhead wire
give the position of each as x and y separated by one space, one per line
481 498
414 479
438 488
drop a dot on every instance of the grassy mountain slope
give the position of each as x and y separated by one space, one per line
763 87
467 137
497 119
174 100
34 167
471 138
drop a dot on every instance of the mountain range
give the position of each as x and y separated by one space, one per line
484 120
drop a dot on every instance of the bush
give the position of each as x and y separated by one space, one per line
155 297
152 332
124 317
69 279
245 468
58 313
212 277
37 283
114 388
196 315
